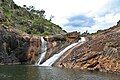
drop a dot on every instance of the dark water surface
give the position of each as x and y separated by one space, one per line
22 72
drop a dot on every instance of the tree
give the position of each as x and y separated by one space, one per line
51 17
41 13
24 6
31 8
85 33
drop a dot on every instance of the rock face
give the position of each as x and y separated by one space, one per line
25 48
13 47
101 52
8 43
16 48
58 42
34 47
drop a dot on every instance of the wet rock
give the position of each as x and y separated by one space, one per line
10 43
34 48
13 58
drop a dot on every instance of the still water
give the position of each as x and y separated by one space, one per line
23 72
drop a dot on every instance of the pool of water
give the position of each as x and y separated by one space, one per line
23 72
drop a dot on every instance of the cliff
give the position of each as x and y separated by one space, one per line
26 48
101 52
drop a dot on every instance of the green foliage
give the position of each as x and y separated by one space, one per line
46 33
21 17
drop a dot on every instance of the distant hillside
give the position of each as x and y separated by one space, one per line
27 19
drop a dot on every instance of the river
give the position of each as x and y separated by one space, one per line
26 72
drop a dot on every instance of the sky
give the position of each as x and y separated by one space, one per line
79 15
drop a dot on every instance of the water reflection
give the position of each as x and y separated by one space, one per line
51 73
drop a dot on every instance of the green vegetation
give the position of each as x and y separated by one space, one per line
27 19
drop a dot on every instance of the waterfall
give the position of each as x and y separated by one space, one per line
55 57
43 51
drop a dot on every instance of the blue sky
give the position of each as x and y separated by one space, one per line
79 15
80 21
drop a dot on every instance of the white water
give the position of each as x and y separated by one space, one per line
43 50
55 57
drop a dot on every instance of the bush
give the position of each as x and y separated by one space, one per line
46 33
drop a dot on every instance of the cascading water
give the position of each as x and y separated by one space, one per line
43 51
55 57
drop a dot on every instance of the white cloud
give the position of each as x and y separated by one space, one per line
64 9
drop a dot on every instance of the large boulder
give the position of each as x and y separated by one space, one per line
69 37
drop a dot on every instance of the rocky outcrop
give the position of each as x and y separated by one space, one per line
25 48
34 48
16 48
101 52
9 41
56 43
69 37
72 37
